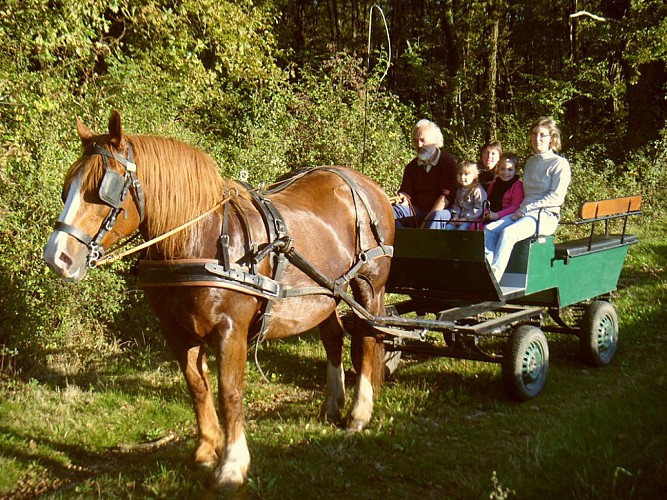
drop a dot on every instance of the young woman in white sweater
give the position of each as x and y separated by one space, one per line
546 178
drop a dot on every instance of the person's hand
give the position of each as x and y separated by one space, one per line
517 215
493 216
399 199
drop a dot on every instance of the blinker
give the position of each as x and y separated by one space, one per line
111 188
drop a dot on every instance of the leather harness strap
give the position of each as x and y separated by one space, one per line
246 279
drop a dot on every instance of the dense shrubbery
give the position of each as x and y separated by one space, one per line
183 72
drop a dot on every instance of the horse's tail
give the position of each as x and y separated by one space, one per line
377 380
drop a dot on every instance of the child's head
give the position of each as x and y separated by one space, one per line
507 166
467 173
490 154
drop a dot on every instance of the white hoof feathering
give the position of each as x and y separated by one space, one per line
362 410
234 469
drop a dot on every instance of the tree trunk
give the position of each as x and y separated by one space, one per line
491 83
335 26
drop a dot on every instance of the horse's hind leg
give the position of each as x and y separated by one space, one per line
192 360
331 333
368 357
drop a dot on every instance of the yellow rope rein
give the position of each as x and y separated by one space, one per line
118 254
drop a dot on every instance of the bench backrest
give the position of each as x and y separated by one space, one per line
607 208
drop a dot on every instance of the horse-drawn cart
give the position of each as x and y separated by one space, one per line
226 264
453 306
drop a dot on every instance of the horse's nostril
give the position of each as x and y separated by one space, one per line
65 259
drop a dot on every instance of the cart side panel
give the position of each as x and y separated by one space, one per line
449 262
572 280
518 262
589 276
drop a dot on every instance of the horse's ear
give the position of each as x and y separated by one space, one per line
115 129
84 132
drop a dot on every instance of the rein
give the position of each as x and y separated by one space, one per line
118 254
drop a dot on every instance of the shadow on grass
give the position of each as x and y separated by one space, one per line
68 466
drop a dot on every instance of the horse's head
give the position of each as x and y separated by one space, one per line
103 202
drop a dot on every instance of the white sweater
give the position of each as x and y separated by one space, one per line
546 178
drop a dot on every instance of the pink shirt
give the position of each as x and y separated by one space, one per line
511 199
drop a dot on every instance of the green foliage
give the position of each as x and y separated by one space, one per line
595 177
645 31
213 73
207 72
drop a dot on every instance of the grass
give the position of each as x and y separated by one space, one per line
441 428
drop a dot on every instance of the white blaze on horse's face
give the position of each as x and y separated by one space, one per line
65 255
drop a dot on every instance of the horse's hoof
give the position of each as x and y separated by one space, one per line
332 417
355 425
203 466
204 459
229 479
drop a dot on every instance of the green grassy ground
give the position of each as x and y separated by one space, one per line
441 428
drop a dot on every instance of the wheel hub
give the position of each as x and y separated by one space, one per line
533 361
605 334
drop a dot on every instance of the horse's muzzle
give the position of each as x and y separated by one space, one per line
66 256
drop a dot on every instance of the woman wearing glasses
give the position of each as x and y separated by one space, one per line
545 181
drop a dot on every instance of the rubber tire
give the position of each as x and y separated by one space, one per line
598 337
525 364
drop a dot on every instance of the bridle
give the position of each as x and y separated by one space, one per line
113 190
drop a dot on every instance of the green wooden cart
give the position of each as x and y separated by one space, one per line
451 305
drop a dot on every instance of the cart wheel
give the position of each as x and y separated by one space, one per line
599 333
526 363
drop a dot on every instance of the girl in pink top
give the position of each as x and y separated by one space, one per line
505 192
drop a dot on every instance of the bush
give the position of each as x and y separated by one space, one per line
177 71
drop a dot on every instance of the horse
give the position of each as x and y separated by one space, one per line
237 264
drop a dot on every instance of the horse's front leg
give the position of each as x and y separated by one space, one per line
231 351
192 361
332 333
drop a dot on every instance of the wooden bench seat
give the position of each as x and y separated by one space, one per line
612 208
598 243
596 211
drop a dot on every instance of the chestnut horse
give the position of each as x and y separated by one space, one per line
271 266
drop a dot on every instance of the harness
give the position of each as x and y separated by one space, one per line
280 249
115 187
113 190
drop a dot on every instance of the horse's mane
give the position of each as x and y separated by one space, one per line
179 182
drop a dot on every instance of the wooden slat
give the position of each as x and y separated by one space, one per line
615 206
